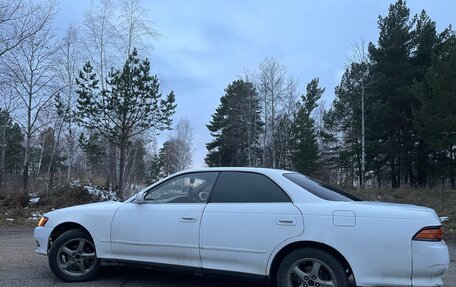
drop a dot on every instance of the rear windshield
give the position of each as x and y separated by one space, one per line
320 189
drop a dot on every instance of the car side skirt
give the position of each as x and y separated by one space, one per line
198 271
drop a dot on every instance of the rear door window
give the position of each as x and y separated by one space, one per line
239 187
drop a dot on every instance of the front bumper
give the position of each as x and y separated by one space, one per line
41 235
430 261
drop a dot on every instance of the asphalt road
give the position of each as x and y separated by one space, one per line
20 266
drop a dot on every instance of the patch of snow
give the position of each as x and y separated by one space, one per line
443 218
35 215
100 193
75 183
34 200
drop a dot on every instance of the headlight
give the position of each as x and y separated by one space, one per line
43 221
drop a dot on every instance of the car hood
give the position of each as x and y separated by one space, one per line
106 206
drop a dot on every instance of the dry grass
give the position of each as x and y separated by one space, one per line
443 201
13 212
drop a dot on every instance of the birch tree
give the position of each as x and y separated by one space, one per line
31 68
183 138
274 88
360 68
69 59
135 29
19 21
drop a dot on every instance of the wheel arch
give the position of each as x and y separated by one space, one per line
63 227
284 251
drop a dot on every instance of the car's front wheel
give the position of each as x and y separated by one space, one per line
311 267
73 257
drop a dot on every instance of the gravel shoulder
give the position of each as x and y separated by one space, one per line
21 266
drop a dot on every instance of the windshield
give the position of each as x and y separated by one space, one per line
320 189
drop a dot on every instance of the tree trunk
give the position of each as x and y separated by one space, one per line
121 169
40 159
51 170
2 153
70 160
26 165
452 175
363 144
25 174
422 163
112 159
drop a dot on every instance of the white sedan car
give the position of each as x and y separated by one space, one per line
265 223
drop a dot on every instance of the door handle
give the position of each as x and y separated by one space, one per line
188 219
286 221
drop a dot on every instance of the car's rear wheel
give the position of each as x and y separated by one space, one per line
73 256
311 267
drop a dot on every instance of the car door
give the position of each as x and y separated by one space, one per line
247 217
165 227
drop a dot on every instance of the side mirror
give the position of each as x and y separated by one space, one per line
139 197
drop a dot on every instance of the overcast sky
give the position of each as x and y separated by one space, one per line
207 44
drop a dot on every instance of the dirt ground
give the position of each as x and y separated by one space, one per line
20 266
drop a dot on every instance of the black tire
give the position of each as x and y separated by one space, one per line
72 256
311 267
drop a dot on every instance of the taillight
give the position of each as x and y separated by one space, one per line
432 233
43 221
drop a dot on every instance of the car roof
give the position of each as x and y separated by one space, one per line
266 171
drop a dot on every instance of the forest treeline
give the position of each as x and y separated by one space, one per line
392 122
83 104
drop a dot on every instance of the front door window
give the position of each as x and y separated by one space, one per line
187 188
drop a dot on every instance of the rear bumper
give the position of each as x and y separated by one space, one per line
430 261
41 235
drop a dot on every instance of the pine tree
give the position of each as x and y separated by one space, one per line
94 149
393 103
305 153
435 116
131 105
154 172
11 151
425 41
235 127
343 120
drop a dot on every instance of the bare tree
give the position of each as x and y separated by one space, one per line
361 59
134 28
252 119
31 68
275 88
183 139
100 37
18 22
69 62
176 153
